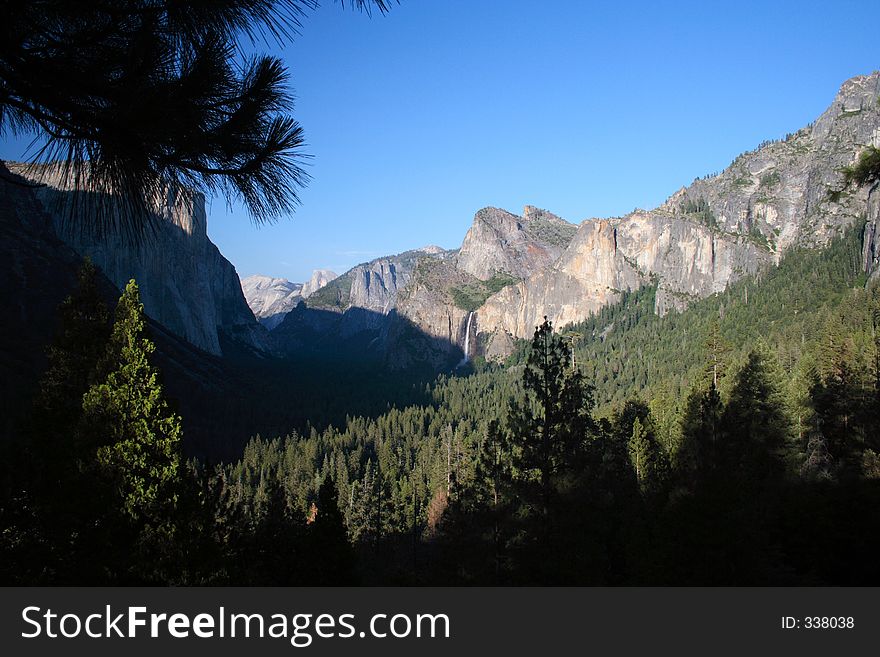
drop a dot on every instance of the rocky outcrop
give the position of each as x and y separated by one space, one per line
430 304
871 238
320 278
435 292
361 303
186 284
713 232
778 193
415 306
513 270
607 257
271 299
499 242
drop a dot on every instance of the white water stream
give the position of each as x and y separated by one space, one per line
467 340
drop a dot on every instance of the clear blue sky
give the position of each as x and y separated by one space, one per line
419 118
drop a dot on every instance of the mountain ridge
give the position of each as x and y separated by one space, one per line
271 299
702 238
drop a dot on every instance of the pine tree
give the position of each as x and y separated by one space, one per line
754 425
136 437
634 426
551 427
360 522
648 460
84 328
835 392
52 483
717 349
698 456
273 553
492 471
332 560
493 476
136 93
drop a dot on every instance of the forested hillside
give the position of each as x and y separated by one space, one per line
717 445
683 395
646 494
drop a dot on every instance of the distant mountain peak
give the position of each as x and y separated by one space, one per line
271 299
500 242
432 249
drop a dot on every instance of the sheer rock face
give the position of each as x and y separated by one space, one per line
499 242
606 257
185 283
430 326
374 286
362 300
779 192
704 237
715 231
871 240
320 278
271 299
415 304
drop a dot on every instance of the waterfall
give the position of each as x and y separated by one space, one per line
467 340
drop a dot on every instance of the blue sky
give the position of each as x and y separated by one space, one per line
419 118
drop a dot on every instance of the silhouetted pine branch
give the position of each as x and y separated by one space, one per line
135 96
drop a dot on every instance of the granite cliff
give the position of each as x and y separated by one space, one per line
271 299
359 305
186 284
499 242
511 271
714 231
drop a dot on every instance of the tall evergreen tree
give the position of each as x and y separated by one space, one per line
81 341
136 437
332 560
493 483
634 426
51 481
755 427
648 460
551 427
698 456
717 349
836 393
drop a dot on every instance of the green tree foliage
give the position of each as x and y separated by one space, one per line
46 487
480 520
736 483
866 171
492 475
755 427
735 452
698 457
551 426
331 558
136 437
717 349
839 393
649 462
84 328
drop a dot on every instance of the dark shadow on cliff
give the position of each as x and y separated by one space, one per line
327 374
323 378
335 366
